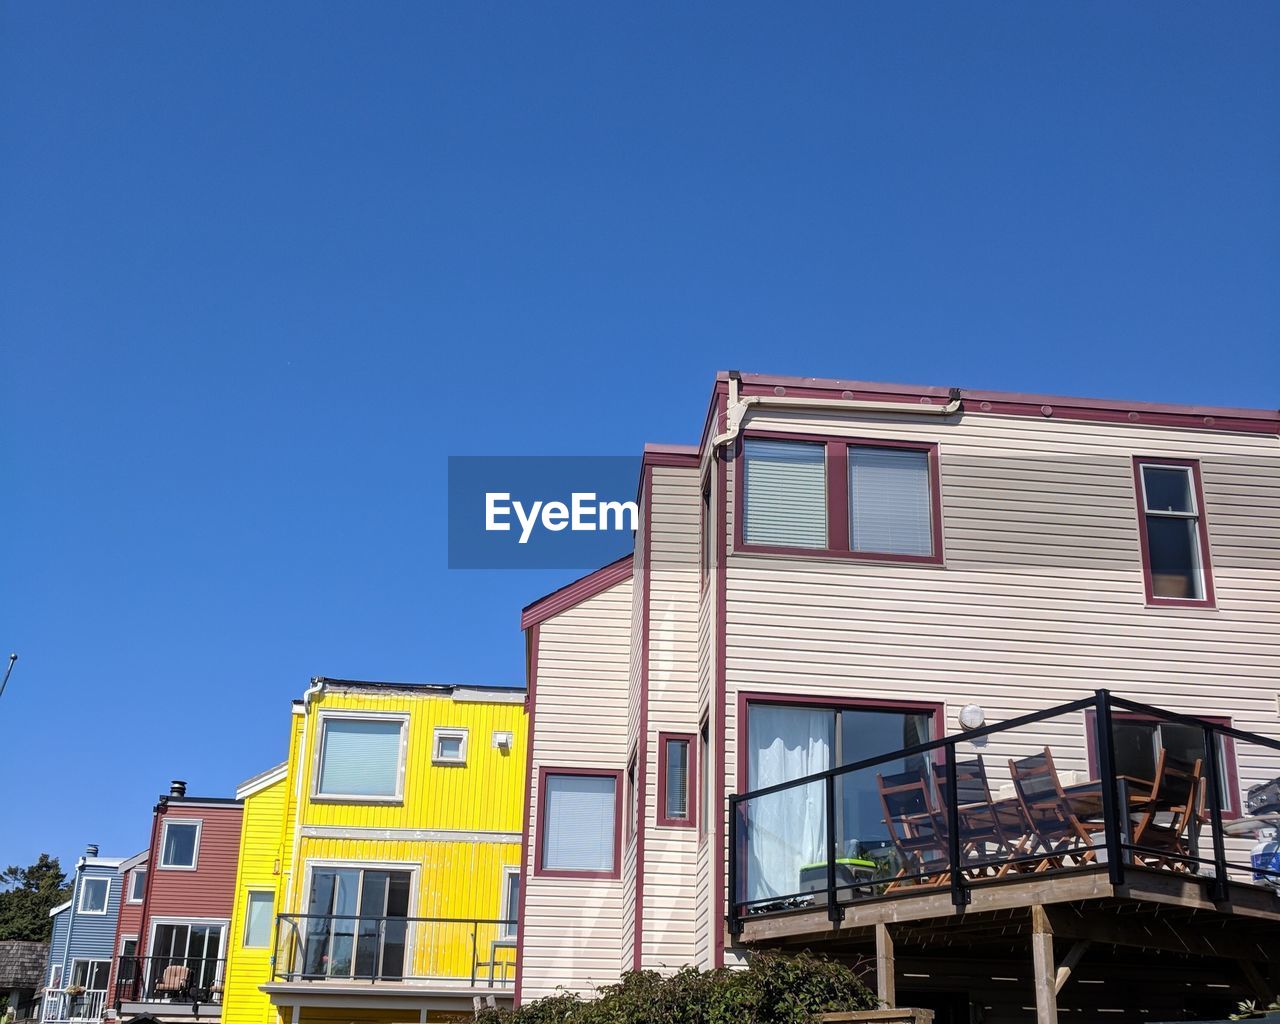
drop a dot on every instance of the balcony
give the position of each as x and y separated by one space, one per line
408 955
170 986
74 1004
1111 824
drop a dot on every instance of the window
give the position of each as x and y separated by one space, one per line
785 499
510 900
257 919
361 758
128 959
1136 744
633 801
676 785
579 817
358 923
137 884
198 945
449 746
1173 533
704 773
93 895
180 845
788 740
856 499
708 529
90 975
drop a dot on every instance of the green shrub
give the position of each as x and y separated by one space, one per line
773 989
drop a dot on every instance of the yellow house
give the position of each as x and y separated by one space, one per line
388 845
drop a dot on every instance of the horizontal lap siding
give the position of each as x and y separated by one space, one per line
208 891
1041 599
573 927
674 580
93 936
635 684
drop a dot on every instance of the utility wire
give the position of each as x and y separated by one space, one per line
7 672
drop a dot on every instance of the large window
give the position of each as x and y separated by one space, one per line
90 975
579 817
676 782
361 758
257 918
93 895
356 925
788 741
196 945
1175 539
180 845
852 499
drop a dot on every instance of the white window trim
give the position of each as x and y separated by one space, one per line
1193 516
509 871
164 835
363 716
197 922
123 940
90 960
413 867
106 903
448 733
249 893
135 874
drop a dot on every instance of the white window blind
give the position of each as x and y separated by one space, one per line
257 920
785 494
579 822
677 769
360 757
889 501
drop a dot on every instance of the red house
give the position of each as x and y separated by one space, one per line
178 931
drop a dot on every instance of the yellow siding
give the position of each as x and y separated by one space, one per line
262 855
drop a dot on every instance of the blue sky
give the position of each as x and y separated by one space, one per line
263 267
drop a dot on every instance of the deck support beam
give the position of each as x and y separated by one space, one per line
884 966
1042 958
1069 963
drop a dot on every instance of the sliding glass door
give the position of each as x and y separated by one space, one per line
357 923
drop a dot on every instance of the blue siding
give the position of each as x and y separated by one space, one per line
93 936
57 944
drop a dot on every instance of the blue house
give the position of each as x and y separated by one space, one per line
82 944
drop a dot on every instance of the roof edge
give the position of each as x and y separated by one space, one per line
262 780
576 592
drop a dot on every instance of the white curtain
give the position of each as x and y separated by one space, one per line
786 830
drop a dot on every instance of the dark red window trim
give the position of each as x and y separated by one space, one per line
633 796
705 539
1229 767
840 703
691 780
1202 527
611 773
838 542
706 776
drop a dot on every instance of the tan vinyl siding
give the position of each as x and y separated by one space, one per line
573 927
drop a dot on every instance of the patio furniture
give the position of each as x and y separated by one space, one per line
987 837
916 828
175 981
1053 829
1165 832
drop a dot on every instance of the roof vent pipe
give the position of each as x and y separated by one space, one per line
91 850
178 788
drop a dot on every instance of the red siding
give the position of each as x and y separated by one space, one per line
129 923
209 890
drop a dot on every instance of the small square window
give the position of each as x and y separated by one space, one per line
93 895
449 746
180 845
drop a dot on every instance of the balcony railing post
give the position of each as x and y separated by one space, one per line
1213 796
951 819
1111 810
835 913
732 919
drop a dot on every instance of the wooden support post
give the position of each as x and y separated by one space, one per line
1253 977
884 966
1069 963
1042 956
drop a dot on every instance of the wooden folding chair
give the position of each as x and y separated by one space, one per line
1177 793
984 839
1053 829
916 829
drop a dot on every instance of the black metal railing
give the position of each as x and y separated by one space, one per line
460 951
1148 789
169 979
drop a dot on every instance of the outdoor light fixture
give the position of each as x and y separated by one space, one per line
502 740
972 717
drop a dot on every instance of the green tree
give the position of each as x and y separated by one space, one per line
26 897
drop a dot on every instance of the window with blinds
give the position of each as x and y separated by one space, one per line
890 507
676 784
785 493
579 823
360 757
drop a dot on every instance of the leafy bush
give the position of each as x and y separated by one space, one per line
773 989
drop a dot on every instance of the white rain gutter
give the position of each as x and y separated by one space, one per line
739 405
311 693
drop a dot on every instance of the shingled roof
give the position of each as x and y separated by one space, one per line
22 964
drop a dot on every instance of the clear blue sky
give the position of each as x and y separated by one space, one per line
264 266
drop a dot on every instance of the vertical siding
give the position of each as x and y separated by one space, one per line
674 582
573 927
262 851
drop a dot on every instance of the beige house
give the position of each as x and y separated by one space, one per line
818 590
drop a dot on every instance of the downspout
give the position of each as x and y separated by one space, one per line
313 693
739 405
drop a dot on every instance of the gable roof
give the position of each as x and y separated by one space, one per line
576 592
